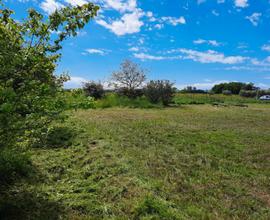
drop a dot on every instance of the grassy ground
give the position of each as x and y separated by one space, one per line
190 162
213 98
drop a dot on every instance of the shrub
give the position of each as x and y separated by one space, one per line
262 93
114 100
234 87
248 93
159 91
193 90
226 92
130 93
76 99
94 89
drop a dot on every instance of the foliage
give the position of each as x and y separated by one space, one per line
248 93
262 93
159 91
129 77
13 164
190 89
234 87
76 99
226 92
28 86
114 100
94 89
130 93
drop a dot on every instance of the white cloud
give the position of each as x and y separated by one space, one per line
149 14
214 12
248 68
220 1
200 1
174 21
76 2
241 3
134 49
266 47
50 6
128 24
257 62
121 6
211 56
143 56
101 52
159 26
210 42
254 18
75 82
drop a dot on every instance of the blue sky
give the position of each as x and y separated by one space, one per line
190 42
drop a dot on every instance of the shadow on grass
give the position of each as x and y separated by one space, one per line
18 198
28 205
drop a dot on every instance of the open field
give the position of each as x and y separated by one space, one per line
213 98
189 162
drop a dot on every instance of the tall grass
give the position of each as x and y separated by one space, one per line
114 100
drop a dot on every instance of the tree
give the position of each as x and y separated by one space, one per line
94 89
159 91
191 89
130 77
29 90
234 87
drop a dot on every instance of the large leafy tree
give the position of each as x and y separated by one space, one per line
29 52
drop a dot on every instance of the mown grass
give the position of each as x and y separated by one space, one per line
189 162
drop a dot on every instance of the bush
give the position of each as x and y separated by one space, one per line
76 99
262 93
226 92
193 90
234 87
248 93
130 93
160 91
114 100
94 89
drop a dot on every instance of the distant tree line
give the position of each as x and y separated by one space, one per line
232 88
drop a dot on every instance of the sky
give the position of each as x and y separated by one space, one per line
190 42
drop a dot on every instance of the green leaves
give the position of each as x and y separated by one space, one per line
29 51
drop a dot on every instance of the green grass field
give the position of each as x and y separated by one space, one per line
188 162
213 98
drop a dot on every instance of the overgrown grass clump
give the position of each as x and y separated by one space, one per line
114 100
78 100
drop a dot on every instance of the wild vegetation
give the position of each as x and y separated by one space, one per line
141 150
